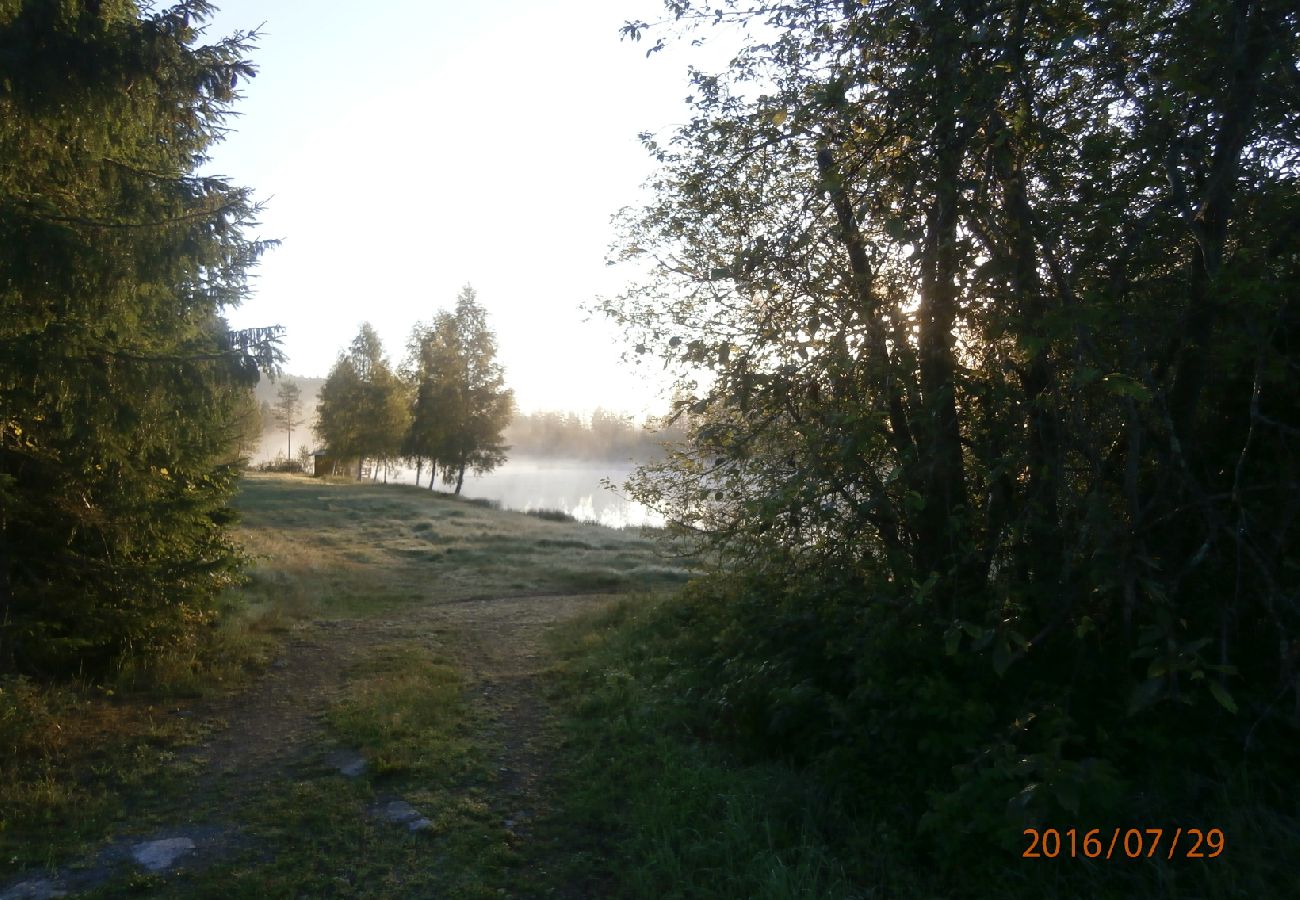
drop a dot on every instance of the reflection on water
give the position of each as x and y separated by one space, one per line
573 486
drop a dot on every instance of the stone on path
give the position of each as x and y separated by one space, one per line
158 856
399 812
351 765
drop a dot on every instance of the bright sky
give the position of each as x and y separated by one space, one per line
417 145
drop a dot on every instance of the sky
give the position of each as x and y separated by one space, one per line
421 145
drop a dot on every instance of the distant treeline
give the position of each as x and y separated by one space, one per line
602 435
605 435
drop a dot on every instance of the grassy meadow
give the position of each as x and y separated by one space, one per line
376 619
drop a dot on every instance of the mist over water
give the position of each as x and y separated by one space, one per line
570 485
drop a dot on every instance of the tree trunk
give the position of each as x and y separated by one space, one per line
1038 379
876 348
1251 38
460 478
939 437
938 432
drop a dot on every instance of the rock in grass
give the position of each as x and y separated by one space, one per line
352 765
158 856
420 824
399 812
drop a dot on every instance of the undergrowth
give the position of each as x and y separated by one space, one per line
653 810
73 759
722 745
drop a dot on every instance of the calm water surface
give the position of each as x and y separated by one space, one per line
573 486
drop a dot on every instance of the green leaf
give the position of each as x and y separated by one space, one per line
1124 386
896 228
1221 694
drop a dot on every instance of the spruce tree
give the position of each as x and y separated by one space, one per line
122 391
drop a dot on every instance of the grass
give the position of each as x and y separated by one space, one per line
404 707
433 547
640 798
75 760
80 763
652 811
552 515
659 804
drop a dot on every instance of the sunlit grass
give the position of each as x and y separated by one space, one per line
405 710
433 547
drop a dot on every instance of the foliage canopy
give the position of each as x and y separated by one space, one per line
986 318
362 411
460 404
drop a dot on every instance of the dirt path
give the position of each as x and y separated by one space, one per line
267 734
497 644
265 731
405 603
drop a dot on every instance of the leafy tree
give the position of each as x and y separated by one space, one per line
122 392
338 420
984 315
363 412
460 403
430 352
287 411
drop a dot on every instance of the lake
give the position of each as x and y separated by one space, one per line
571 485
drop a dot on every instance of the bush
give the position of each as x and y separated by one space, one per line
940 760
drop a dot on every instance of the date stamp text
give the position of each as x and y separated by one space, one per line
1124 843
